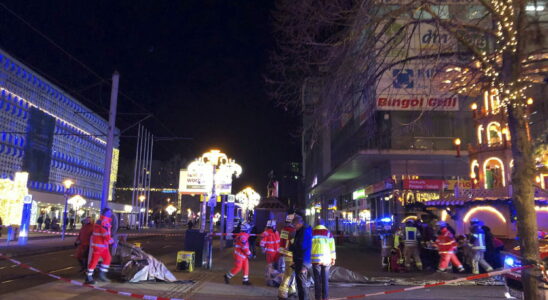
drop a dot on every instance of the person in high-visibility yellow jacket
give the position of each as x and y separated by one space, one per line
323 256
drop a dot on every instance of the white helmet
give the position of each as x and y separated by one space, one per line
271 223
289 218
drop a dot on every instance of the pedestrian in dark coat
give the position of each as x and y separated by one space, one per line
301 249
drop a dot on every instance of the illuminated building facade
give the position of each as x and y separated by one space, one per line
491 163
51 136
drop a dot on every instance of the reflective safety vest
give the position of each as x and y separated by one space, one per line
323 246
241 245
270 241
479 241
100 238
286 239
410 236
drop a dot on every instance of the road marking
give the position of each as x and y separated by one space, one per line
67 268
7 281
13 266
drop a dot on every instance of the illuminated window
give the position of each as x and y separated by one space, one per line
495 101
493 173
494 133
480 134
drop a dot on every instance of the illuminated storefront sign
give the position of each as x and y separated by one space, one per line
463 184
359 194
423 184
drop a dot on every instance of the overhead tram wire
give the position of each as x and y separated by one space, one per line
82 64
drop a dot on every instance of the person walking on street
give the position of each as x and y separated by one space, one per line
477 243
241 255
82 242
1 226
301 249
446 245
270 243
323 256
100 241
253 239
40 221
287 285
411 251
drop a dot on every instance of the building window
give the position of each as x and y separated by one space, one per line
474 170
493 173
494 134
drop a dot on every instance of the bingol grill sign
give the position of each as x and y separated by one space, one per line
418 103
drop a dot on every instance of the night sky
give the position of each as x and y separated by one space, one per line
196 65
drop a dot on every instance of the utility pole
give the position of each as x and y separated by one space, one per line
135 192
110 139
149 173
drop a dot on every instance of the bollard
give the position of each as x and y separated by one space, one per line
185 261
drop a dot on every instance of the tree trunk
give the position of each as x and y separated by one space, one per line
523 198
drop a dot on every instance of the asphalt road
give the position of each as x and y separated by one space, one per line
63 263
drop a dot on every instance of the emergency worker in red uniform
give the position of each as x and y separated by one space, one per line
446 245
241 255
82 242
269 245
100 241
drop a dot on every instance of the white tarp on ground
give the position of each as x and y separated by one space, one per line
140 266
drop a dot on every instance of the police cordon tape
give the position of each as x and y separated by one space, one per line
255 234
79 283
418 287
128 234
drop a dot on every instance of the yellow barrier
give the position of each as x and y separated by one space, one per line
185 261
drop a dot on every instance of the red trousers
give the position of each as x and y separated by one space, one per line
445 258
271 257
96 254
239 264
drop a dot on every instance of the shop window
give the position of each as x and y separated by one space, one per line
493 170
494 134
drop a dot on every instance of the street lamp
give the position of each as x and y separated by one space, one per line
67 183
248 199
457 145
142 199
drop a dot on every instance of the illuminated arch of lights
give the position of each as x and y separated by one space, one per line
489 209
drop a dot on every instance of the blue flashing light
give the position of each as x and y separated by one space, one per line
510 261
386 220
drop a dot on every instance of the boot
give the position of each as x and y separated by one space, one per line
246 282
89 279
103 277
227 280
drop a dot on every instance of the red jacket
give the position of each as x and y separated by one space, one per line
100 238
445 242
85 234
241 245
285 240
270 241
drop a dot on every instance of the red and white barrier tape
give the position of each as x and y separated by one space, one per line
129 234
79 283
418 287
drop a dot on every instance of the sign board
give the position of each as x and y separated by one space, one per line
423 184
359 194
379 186
463 184
199 181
